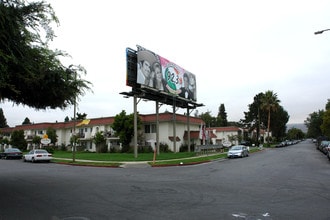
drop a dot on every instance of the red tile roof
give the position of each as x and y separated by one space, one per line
195 135
102 121
166 116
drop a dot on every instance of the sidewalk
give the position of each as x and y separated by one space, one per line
124 164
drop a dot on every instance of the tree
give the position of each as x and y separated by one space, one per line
295 134
257 117
32 74
51 133
222 117
18 140
270 103
325 126
99 141
327 106
123 126
3 120
313 123
66 119
208 119
26 121
252 118
36 140
80 116
281 117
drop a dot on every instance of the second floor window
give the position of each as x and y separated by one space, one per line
147 129
150 128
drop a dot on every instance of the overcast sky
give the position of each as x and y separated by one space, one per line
235 48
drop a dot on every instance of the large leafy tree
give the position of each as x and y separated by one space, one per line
123 126
258 117
30 72
325 126
252 119
313 123
209 120
281 117
17 139
295 134
270 103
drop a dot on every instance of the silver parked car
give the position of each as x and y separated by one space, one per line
38 155
238 151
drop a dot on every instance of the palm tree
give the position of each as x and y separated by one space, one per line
269 102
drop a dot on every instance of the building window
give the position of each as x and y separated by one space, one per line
40 132
147 129
85 129
153 128
150 128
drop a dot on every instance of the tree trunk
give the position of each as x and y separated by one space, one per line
268 126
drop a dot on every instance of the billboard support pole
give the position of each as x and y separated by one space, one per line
188 129
157 127
174 125
135 128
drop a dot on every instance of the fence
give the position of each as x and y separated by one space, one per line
207 149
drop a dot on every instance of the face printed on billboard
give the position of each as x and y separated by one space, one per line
159 73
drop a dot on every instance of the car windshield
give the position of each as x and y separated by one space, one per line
236 148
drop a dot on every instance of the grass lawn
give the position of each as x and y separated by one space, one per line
121 156
116 159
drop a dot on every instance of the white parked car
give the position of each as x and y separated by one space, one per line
38 155
238 151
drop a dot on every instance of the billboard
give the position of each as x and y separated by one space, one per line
131 61
158 73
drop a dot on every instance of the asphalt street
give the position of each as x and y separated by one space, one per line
284 183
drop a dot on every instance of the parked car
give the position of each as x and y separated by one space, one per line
11 153
282 144
38 155
323 146
328 155
238 151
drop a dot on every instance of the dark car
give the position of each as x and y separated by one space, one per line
11 153
245 143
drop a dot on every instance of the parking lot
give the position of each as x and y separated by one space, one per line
281 183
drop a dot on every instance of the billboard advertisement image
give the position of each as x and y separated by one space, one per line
156 72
